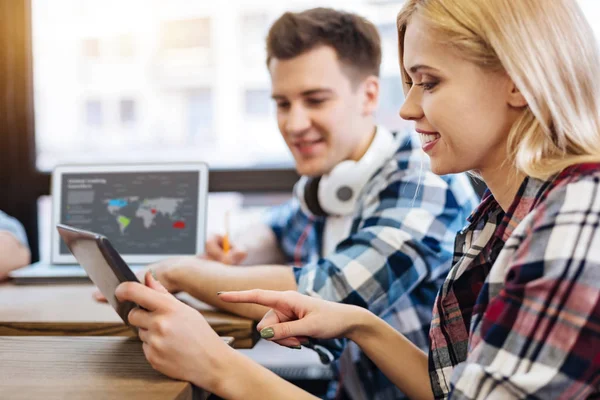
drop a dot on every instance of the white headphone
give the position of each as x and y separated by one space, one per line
337 192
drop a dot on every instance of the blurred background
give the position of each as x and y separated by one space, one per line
113 81
141 80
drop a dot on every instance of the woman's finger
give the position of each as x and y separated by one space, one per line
147 352
270 318
153 283
98 296
144 296
289 342
144 335
301 327
140 318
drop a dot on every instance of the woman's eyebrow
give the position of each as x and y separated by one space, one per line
418 67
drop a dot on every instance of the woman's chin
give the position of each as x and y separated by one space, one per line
441 168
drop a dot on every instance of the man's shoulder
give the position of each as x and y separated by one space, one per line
406 179
410 164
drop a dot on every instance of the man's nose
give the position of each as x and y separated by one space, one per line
298 120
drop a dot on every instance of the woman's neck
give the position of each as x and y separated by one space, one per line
503 182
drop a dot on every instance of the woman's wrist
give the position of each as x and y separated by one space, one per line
235 376
361 323
223 370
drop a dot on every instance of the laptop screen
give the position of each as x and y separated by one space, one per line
145 214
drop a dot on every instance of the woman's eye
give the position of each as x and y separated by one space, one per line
427 85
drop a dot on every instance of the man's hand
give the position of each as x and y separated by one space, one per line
215 252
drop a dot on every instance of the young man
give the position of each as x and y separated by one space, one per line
368 225
14 251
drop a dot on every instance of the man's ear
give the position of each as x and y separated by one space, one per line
515 97
371 95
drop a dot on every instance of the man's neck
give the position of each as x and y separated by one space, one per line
364 145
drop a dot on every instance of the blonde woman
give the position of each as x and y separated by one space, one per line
509 90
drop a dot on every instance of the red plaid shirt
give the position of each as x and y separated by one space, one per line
519 314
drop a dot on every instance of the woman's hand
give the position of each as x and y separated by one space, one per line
177 339
160 271
214 251
294 317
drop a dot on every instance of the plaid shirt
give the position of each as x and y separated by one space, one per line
519 315
395 259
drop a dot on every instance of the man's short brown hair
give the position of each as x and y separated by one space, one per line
354 39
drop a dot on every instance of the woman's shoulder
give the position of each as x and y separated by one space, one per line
575 190
562 230
565 222
568 208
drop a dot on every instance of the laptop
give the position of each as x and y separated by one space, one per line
148 211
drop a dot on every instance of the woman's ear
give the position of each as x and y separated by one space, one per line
515 97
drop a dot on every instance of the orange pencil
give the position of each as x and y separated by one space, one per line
226 243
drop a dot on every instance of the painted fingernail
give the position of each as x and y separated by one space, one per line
267 333
153 274
295 347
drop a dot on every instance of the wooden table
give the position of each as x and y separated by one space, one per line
84 368
70 310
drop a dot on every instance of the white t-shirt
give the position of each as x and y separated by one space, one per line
11 225
336 229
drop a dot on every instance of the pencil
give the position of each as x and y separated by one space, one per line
226 243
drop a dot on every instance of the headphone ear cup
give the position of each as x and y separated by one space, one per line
338 189
311 197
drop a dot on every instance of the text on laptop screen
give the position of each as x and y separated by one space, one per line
139 212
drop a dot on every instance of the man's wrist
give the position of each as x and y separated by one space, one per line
171 277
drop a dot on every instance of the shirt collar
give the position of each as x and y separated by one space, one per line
531 192
528 196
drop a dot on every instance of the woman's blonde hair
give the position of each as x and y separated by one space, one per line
549 51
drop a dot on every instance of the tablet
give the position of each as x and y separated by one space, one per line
102 263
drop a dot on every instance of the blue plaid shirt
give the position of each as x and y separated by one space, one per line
393 262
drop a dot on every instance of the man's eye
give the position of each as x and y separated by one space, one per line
283 105
315 101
